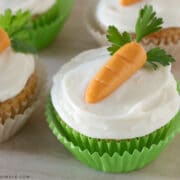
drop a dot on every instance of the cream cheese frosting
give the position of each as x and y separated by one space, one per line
124 18
143 104
15 70
35 6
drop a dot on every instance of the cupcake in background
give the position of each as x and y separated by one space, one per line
48 17
115 13
22 77
123 13
117 110
33 6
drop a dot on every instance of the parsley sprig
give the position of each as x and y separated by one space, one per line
147 23
158 55
117 39
18 27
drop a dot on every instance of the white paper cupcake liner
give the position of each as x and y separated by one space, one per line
12 126
171 48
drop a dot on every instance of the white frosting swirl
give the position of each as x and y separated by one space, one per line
35 6
15 70
124 18
143 104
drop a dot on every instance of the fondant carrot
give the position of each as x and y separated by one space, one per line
127 56
120 67
128 2
4 40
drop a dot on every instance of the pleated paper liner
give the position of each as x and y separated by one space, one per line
11 126
168 39
18 104
48 25
112 155
178 86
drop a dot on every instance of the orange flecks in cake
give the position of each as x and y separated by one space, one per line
4 40
119 68
128 2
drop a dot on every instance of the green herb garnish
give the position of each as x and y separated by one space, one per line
147 23
18 27
158 55
117 39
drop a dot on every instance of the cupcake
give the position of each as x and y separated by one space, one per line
123 13
48 17
21 76
117 115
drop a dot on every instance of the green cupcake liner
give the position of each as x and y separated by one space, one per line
47 26
113 156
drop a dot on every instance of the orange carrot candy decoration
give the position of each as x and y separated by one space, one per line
128 2
127 57
125 62
4 40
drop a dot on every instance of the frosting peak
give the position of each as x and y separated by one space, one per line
15 70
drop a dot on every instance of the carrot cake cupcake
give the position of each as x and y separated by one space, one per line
117 111
123 13
20 75
48 17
